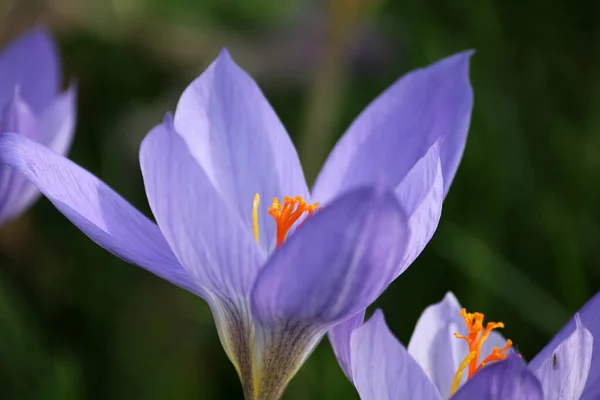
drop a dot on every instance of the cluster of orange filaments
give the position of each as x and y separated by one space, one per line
475 338
287 214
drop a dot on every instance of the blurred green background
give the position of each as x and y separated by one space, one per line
519 238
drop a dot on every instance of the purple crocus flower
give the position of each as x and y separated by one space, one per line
275 285
31 105
382 369
564 369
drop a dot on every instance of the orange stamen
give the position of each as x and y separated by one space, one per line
286 216
475 338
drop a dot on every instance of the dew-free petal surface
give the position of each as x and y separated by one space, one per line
339 337
16 193
590 319
209 240
399 127
57 122
564 373
30 63
433 344
237 138
382 368
505 380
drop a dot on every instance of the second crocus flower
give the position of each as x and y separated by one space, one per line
382 369
278 265
450 349
31 105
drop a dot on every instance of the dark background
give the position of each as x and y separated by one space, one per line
518 240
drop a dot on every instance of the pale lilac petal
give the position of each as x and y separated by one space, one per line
398 128
421 194
505 380
31 64
15 189
235 135
382 368
563 375
57 122
17 116
339 337
54 128
437 350
94 208
208 238
434 346
590 318
337 263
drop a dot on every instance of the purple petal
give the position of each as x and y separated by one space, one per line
235 135
337 263
400 126
208 238
17 116
504 380
31 64
563 375
421 194
434 346
94 208
16 193
339 337
383 369
590 318
58 122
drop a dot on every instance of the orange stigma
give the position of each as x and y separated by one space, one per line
285 216
475 338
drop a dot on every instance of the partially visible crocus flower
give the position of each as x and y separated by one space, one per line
31 105
382 369
276 278
452 347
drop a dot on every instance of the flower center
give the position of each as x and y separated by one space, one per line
475 338
285 215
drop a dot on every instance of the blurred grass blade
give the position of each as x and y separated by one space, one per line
488 268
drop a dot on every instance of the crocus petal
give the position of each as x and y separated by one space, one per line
590 319
421 194
382 368
94 208
339 337
337 263
564 374
400 126
17 116
437 350
433 344
55 129
210 240
31 64
505 380
57 122
235 135
15 188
